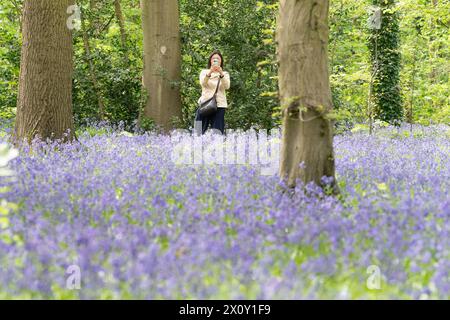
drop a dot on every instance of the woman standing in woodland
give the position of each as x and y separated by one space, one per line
209 79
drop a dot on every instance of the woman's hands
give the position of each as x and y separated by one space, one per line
215 69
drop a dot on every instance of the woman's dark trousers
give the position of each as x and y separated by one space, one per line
216 120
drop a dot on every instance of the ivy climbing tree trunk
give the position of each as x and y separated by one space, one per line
44 106
305 94
384 43
162 61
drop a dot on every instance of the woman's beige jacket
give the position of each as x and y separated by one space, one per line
209 87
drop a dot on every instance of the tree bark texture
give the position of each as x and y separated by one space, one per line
305 94
162 61
44 105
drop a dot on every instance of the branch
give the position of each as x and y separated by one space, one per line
442 23
108 23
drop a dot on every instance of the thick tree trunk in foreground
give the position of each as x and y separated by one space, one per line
44 105
162 60
302 37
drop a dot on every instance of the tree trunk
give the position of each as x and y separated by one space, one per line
433 48
94 18
162 60
385 43
44 104
305 94
92 71
123 34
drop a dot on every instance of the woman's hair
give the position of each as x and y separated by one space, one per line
213 53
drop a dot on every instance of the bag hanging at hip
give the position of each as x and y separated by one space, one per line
209 106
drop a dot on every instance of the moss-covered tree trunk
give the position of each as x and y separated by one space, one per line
302 39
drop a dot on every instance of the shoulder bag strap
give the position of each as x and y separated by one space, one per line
217 88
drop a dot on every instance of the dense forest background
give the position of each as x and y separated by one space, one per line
108 60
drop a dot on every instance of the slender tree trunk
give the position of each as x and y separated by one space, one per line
44 104
94 19
433 48
92 71
123 34
410 114
302 38
162 60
